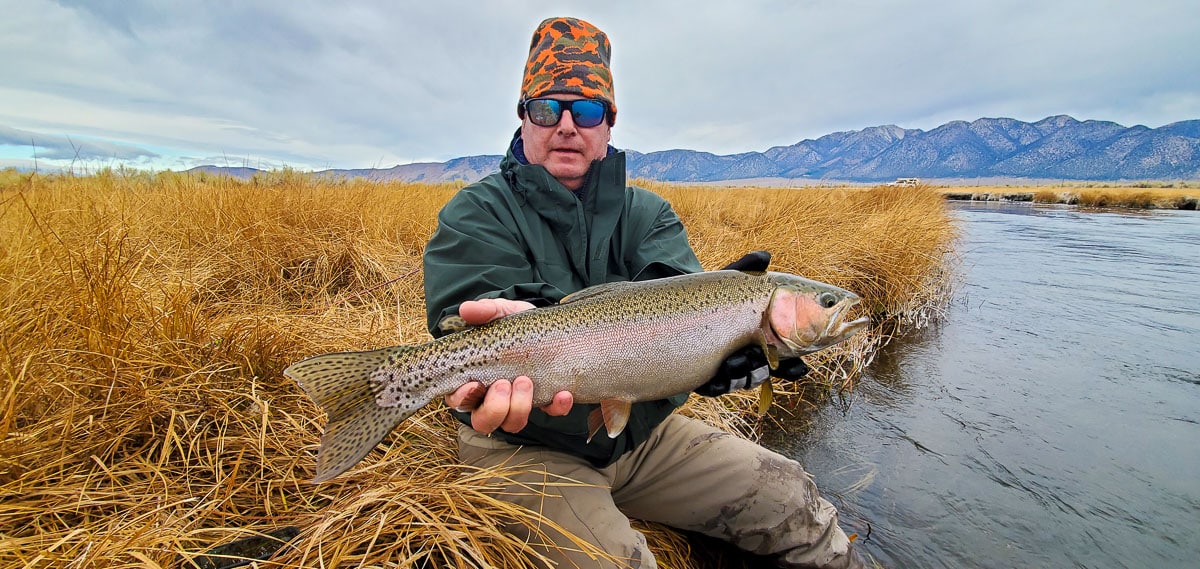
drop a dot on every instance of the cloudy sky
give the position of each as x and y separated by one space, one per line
315 85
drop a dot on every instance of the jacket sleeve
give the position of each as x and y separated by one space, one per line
663 249
476 253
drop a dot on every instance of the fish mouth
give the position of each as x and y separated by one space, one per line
839 328
836 329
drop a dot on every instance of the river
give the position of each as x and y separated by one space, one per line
1051 419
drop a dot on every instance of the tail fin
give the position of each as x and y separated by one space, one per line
341 384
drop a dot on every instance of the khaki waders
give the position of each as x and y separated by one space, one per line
687 475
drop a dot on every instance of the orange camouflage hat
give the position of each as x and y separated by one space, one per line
568 55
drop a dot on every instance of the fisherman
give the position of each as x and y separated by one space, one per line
558 217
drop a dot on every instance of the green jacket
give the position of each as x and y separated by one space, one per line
520 234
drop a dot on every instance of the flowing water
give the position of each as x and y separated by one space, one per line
1052 419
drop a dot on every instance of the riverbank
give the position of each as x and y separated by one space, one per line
1134 197
148 319
1181 195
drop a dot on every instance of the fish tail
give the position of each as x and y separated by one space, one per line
342 385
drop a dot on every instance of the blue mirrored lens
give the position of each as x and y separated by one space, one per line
585 113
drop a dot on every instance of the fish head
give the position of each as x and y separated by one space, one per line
806 316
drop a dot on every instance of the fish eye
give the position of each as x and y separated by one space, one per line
827 300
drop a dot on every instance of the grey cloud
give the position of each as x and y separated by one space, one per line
118 16
391 76
60 147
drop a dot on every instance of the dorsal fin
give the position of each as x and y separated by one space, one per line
595 291
754 262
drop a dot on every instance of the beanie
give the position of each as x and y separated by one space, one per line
569 56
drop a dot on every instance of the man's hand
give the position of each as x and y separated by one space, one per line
747 368
477 312
506 404
754 261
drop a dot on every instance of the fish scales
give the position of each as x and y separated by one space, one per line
614 344
567 346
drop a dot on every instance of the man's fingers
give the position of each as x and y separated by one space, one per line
504 404
467 397
488 416
560 405
520 403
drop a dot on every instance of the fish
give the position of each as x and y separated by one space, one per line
613 344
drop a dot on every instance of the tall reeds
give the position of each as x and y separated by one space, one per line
146 319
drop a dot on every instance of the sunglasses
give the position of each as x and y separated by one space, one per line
586 113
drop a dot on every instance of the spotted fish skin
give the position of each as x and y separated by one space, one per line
613 344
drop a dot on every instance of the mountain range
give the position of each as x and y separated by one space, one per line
1058 147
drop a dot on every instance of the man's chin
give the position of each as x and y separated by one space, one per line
568 171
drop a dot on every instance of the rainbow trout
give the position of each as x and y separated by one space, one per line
612 344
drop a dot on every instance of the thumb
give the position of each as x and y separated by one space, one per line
477 312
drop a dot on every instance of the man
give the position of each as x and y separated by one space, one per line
557 218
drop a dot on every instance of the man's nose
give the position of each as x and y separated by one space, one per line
566 124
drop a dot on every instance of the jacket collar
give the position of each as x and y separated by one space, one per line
583 220
533 182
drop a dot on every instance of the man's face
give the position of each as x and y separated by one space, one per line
565 150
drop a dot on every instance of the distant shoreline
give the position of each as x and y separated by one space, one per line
1182 195
950 182
1108 197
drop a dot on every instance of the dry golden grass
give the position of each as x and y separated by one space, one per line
147 318
1137 199
1046 195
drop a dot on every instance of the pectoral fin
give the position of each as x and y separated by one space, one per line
772 352
766 394
612 414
